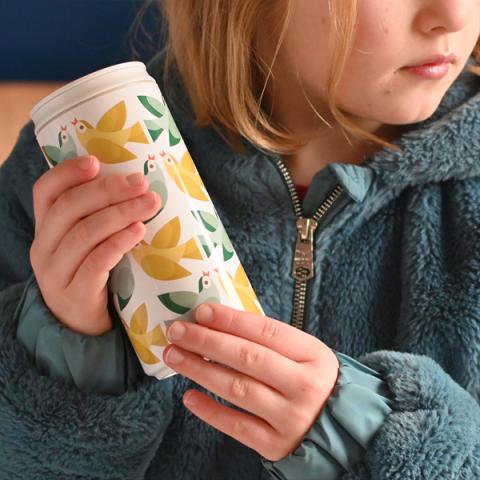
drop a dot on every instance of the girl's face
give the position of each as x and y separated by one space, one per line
390 34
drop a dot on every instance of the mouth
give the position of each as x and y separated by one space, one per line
435 67
434 60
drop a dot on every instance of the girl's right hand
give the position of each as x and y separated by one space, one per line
83 227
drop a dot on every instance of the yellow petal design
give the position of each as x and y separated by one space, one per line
244 290
137 134
114 119
108 152
187 163
162 268
168 236
139 321
191 250
142 339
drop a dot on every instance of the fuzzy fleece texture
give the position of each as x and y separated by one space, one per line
397 287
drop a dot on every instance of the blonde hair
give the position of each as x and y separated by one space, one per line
211 44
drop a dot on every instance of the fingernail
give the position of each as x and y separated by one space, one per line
86 162
149 199
135 179
191 399
174 356
134 227
176 331
204 314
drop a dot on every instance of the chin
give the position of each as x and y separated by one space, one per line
413 112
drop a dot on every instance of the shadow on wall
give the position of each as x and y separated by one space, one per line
47 44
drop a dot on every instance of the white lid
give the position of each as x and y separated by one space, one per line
93 84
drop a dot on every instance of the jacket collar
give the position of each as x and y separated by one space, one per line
443 147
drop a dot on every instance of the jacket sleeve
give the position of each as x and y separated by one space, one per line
430 426
354 412
50 428
106 363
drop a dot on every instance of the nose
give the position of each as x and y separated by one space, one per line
446 16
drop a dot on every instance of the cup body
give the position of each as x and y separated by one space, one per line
186 258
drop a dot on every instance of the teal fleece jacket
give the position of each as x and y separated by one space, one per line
405 254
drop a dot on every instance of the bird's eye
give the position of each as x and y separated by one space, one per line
64 137
169 160
81 126
152 166
206 282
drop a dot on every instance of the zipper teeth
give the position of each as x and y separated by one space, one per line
300 292
324 207
291 188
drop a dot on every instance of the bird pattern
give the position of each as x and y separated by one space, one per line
122 282
245 291
66 148
106 140
142 339
185 175
161 258
216 232
183 301
163 120
156 182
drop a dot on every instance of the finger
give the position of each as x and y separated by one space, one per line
254 360
251 431
97 228
285 339
92 276
80 202
237 388
56 180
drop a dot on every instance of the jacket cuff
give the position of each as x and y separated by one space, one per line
338 439
106 363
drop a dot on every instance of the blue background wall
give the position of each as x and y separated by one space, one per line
64 39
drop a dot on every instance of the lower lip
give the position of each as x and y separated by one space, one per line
432 71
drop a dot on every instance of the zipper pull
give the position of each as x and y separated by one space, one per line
303 259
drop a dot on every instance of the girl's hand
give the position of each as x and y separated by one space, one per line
282 375
83 227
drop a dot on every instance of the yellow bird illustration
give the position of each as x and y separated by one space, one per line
106 141
142 339
185 175
161 258
244 290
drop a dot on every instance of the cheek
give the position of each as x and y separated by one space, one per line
369 76
374 25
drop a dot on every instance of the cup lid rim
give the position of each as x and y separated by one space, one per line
85 78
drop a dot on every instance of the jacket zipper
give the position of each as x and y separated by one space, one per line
303 259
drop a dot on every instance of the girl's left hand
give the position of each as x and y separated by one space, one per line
280 374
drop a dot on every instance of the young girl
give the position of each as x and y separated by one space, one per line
366 365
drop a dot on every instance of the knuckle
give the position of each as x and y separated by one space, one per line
91 264
104 185
239 387
270 330
308 383
114 245
65 200
239 427
299 417
81 233
248 356
124 209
